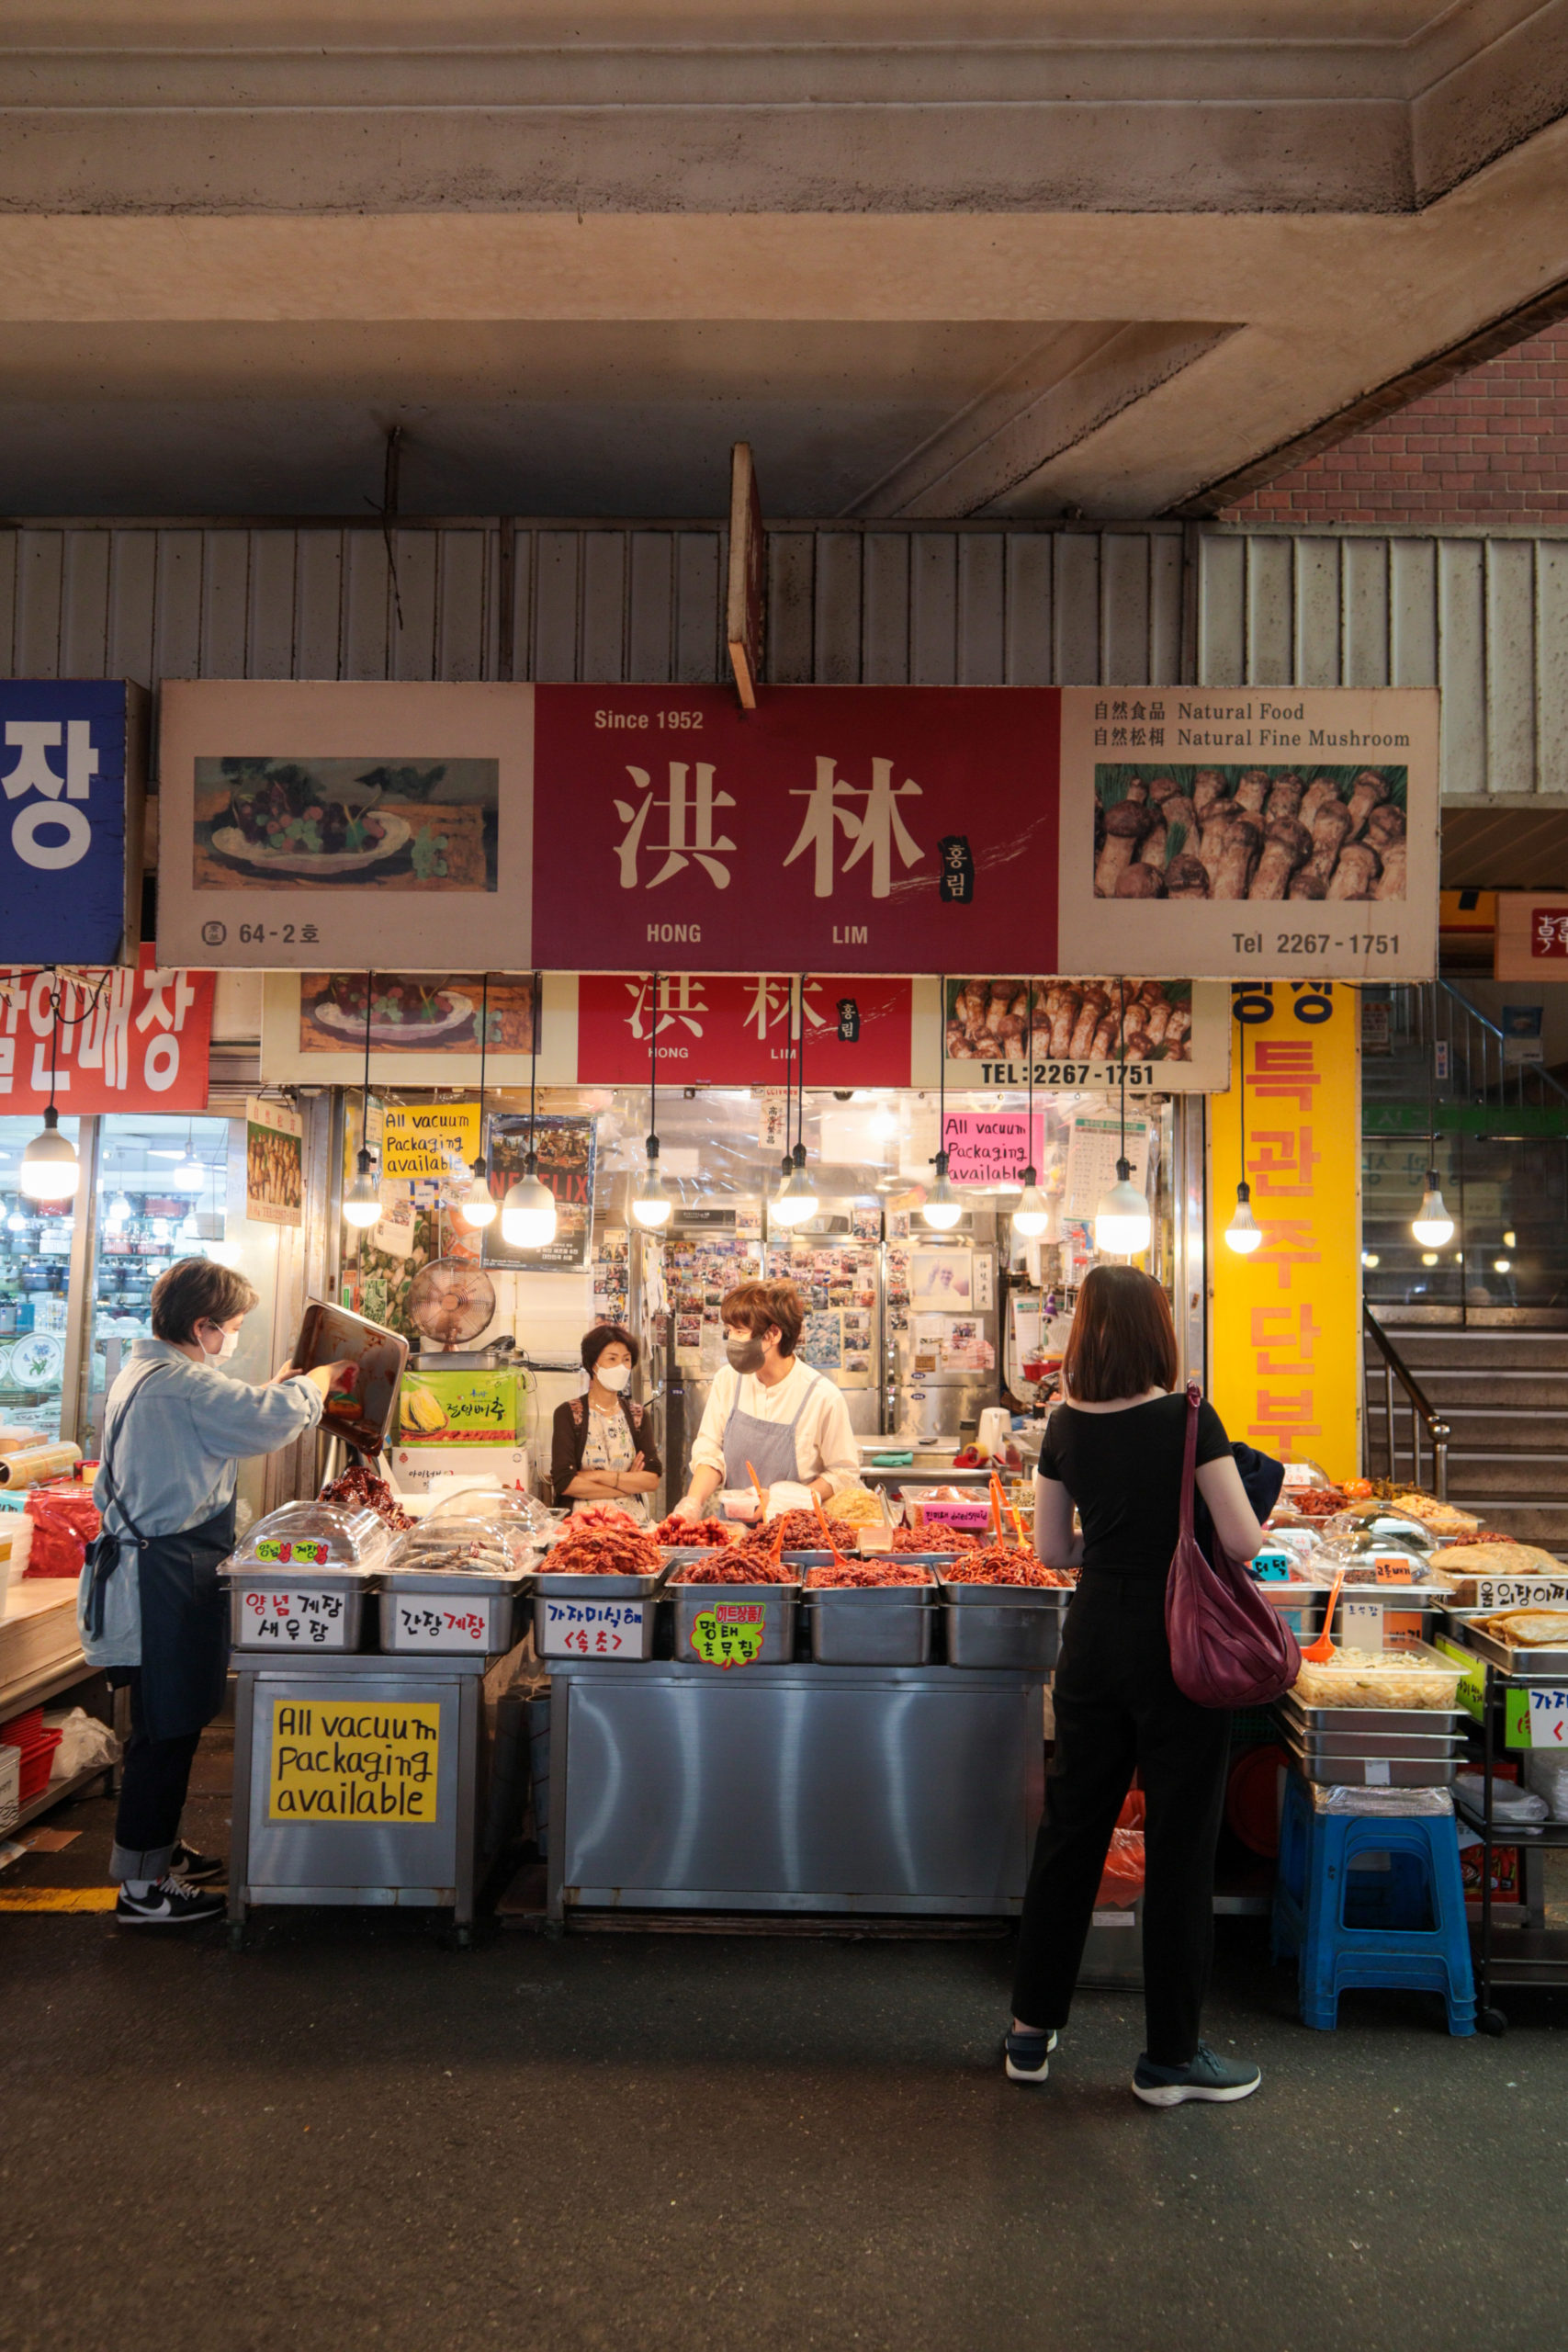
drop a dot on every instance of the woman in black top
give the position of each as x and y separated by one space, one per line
602 1448
1115 1449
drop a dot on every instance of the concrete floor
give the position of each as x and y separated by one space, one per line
350 2135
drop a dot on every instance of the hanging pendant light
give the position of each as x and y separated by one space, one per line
190 1175
478 1204
796 1197
1432 1225
943 1206
529 1212
49 1169
120 1212
1033 1213
362 1201
650 1202
1243 1233
189 1230
1121 1220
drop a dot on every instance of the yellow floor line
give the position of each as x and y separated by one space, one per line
61 1898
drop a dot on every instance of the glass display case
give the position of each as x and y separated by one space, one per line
35 1288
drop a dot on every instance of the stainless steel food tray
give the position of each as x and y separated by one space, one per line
325 1611
455 1615
870 1626
776 1602
1512 1658
1004 1636
565 1586
1374 1743
964 1595
1429 1721
1375 1772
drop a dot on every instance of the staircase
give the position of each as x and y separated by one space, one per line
1503 1394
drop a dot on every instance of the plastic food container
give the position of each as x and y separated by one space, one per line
361 1414
453 1585
524 1525
731 1625
1419 1678
298 1577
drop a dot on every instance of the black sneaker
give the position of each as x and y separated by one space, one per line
193 1868
1027 2056
1209 2077
167 1904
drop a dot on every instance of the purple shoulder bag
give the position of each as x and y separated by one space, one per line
1228 1648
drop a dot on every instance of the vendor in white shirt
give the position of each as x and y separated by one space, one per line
768 1413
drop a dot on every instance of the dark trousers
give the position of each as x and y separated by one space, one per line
154 1781
1118 1709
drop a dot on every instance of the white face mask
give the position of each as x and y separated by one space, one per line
614 1376
221 1354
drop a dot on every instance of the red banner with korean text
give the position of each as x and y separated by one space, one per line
120 1040
867 827
1286 1322
723 1029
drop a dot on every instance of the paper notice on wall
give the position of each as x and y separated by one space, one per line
1094 1146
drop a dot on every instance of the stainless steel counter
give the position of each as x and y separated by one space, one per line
793 1788
357 1781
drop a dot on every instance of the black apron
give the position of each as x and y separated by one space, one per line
184 1621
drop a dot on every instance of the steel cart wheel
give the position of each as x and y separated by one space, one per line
1491 2021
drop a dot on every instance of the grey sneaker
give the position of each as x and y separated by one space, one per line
168 1904
1209 2077
1028 2055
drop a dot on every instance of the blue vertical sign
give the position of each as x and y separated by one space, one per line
70 819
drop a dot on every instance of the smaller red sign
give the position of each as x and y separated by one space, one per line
728 1029
1549 933
118 1040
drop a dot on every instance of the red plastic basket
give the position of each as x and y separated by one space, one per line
36 1763
23 1730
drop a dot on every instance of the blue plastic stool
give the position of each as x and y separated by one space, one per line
1317 1888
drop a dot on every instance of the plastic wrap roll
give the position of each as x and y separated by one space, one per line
34 1463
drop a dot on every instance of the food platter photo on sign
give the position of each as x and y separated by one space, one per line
1290 834
1170 1035
339 824
73 762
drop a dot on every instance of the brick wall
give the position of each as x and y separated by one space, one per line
1490 447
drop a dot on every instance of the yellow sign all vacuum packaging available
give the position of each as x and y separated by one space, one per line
355 1761
1287 1320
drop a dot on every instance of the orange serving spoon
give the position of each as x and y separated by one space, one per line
1321 1652
838 1559
757 1490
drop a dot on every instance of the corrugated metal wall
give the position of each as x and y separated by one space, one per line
1484 619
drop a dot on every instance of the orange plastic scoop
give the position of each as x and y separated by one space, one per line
757 1490
838 1559
1321 1652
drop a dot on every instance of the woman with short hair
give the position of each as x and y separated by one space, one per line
1116 1449
175 1427
767 1412
601 1450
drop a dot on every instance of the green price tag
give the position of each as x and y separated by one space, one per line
1538 1718
1471 1691
730 1634
1517 1717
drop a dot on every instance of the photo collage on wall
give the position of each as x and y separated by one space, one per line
611 1276
699 1268
838 1280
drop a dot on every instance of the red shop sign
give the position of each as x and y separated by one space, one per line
865 826
725 1029
125 1041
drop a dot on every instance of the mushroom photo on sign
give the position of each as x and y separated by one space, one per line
1254 834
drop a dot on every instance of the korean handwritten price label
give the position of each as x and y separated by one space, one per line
1361 1624
730 1634
608 1629
1471 1692
295 1621
1549 1720
306 1553
431 1626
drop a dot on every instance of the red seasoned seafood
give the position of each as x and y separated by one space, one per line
359 1484
1007 1564
709 1532
735 1568
623 1551
803 1532
868 1572
939 1537
594 1516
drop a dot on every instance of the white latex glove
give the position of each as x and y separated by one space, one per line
686 1508
784 1495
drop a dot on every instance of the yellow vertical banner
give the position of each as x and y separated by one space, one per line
1285 1320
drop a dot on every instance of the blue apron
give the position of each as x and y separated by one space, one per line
767 1446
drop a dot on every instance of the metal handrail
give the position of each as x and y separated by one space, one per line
1422 1411
1520 1081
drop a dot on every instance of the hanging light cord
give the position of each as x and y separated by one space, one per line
941 1070
800 1073
653 1064
365 1098
533 1066
484 1040
1121 1048
1032 1173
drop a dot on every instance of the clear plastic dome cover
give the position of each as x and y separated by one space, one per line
516 1511
451 1545
314 1535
